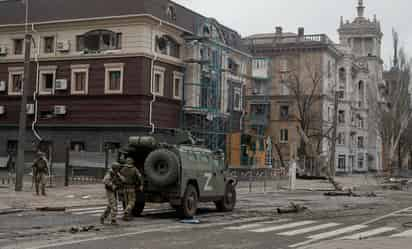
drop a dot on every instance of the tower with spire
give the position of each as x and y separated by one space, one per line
362 35
360 42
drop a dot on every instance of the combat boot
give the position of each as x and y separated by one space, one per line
114 223
102 220
43 190
127 217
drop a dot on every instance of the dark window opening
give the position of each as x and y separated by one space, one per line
284 135
168 46
342 162
114 80
237 102
342 78
341 117
177 88
80 81
18 46
232 66
157 84
361 142
206 30
284 112
48 81
99 40
49 44
12 146
16 83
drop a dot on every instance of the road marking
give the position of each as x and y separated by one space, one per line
255 225
107 237
407 233
247 220
84 209
369 233
309 229
89 212
337 232
386 216
282 227
326 235
150 230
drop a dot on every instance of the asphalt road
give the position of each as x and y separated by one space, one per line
251 226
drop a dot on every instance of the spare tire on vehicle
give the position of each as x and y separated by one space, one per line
161 167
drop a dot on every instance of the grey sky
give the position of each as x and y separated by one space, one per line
317 16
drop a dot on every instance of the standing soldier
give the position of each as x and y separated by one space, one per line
40 172
132 182
112 183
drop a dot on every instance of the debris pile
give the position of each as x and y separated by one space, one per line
293 208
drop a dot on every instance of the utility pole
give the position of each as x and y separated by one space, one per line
20 164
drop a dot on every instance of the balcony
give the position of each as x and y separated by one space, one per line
259 120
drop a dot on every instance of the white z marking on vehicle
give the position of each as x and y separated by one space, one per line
208 178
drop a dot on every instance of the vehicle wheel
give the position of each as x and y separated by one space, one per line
139 204
229 199
161 167
189 203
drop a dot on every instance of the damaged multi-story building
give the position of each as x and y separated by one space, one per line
296 77
99 75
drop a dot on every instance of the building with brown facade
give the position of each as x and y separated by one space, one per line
101 74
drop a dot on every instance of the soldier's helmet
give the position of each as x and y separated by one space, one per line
129 161
116 166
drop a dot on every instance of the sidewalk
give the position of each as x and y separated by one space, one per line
381 243
94 194
72 196
362 183
355 182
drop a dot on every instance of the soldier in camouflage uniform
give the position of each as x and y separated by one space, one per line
133 181
40 172
113 182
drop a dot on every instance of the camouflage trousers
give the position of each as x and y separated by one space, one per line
130 198
111 208
40 181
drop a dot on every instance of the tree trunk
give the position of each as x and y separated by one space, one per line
282 162
332 159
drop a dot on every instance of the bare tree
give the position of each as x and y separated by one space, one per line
304 79
391 112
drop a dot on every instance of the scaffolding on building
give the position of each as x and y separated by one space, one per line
205 114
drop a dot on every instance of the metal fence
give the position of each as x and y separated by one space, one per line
260 180
87 167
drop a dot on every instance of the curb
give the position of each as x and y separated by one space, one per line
11 211
64 208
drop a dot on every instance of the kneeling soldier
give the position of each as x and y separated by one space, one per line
112 183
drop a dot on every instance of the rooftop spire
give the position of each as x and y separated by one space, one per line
361 8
